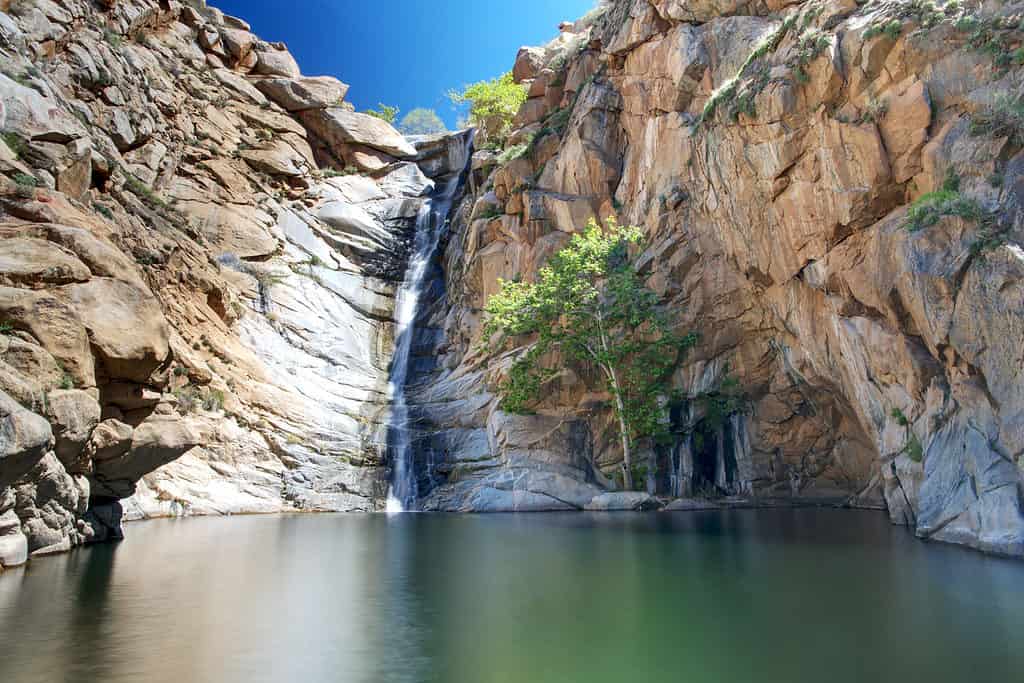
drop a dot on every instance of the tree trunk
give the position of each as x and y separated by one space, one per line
627 455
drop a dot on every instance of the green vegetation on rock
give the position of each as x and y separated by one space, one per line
492 104
1004 118
589 305
385 113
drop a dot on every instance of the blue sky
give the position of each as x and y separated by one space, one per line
407 53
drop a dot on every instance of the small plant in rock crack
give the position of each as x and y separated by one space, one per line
143 192
930 208
490 212
113 39
891 29
874 110
188 399
213 401
912 447
104 211
26 185
6 327
14 142
1004 118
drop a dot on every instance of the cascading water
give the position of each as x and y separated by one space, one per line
430 221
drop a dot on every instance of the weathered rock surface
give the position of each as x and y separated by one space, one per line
770 153
339 126
193 318
196 321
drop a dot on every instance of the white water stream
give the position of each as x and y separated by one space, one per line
430 223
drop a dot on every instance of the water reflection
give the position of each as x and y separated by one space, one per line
780 595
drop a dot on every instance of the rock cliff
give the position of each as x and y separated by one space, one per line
832 195
200 249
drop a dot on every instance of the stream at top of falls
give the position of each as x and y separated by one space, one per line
430 223
733 596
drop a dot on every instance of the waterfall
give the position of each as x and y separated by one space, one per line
430 223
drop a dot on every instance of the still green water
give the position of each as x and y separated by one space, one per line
735 596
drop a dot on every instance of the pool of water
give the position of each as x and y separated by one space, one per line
722 596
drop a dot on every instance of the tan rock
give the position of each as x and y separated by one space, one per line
157 441
110 307
337 127
29 262
111 439
300 94
73 414
276 63
904 127
56 325
528 64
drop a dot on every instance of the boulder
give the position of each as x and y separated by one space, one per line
300 94
352 220
36 117
366 159
111 439
158 440
110 307
13 543
31 262
98 254
528 64
73 414
623 501
272 62
56 325
239 85
338 126
24 439
275 159
49 504
406 180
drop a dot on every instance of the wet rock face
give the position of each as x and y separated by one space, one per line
771 153
195 302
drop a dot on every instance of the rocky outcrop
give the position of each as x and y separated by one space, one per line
196 290
200 247
850 351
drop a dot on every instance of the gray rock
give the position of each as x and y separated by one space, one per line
406 180
24 439
13 543
49 503
623 501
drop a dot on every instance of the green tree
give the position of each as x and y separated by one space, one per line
590 304
492 105
385 113
421 121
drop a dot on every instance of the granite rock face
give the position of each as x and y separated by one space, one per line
771 153
200 248
195 302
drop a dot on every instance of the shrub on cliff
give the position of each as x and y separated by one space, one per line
492 104
590 305
385 113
